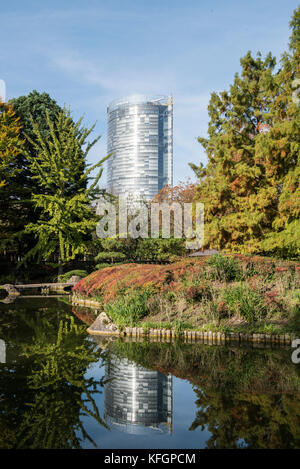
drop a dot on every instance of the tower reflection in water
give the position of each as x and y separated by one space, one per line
137 400
2 351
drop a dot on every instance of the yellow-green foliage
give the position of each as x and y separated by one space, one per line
250 186
10 142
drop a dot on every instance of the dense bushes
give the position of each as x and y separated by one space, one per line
162 250
217 292
133 276
111 256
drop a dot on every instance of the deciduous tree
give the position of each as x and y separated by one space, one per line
67 217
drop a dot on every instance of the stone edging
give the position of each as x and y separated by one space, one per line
167 335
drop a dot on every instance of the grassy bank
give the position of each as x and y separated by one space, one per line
219 293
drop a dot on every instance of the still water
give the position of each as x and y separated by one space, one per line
61 388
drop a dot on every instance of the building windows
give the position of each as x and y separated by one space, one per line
141 139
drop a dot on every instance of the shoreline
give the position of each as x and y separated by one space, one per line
190 336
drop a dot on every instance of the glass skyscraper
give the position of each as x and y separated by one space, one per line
137 400
140 138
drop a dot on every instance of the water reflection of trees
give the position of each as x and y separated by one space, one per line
244 397
248 420
44 392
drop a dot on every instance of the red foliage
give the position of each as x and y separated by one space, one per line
185 191
84 315
235 185
109 281
271 297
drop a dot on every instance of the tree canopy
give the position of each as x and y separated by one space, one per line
11 146
10 142
250 186
67 216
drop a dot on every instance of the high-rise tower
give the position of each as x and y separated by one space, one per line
140 136
137 400
2 91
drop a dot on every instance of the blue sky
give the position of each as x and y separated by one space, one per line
85 54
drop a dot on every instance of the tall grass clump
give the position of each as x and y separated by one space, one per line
129 309
223 268
243 301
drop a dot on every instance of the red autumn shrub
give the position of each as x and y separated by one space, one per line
222 309
110 281
271 298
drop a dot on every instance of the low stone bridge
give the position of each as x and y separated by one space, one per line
14 290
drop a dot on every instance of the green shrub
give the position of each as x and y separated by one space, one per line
65 277
171 296
128 310
103 265
242 300
180 326
224 268
159 250
156 325
111 256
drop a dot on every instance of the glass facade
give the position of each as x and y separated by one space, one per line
137 400
140 138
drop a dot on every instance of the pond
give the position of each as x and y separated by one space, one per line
62 388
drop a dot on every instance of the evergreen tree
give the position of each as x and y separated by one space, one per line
250 185
233 215
16 206
280 149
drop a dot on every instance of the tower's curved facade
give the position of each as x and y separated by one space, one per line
2 91
140 138
137 400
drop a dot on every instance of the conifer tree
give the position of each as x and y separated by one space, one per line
233 215
280 150
33 108
250 186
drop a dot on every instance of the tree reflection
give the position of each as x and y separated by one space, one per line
44 393
248 420
244 397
